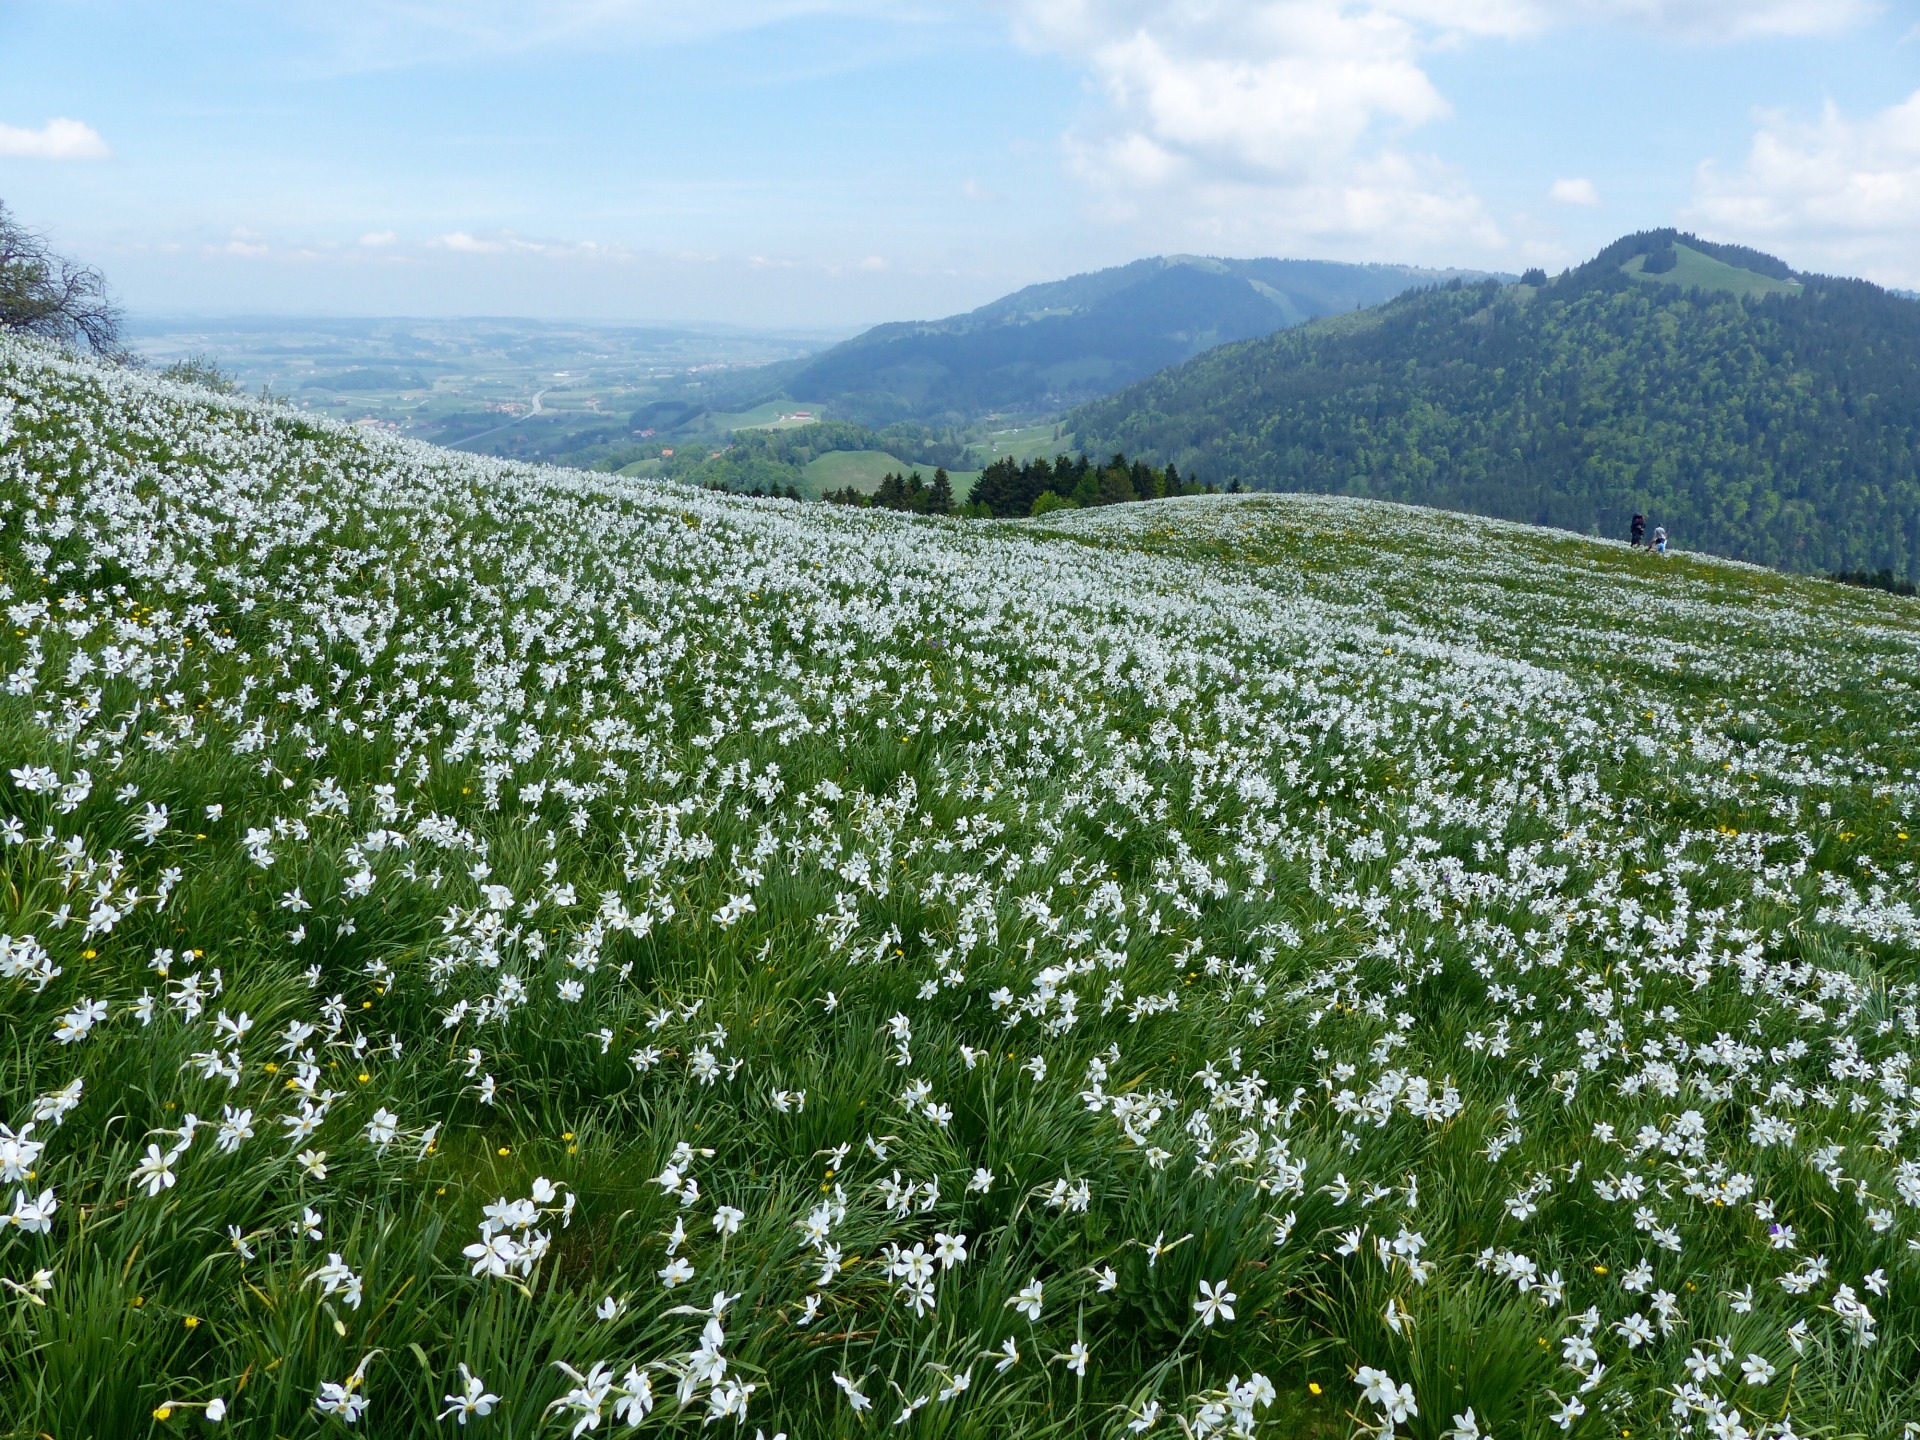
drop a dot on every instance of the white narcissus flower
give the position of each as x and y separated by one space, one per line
1215 1302
473 1398
853 1393
1029 1300
155 1171
676 1272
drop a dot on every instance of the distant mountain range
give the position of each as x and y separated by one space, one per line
1751 410
1050 346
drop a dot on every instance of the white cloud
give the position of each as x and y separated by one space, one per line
245 245
505 242
1281 121
379 239
58 139
462 243
1266 123
1843 193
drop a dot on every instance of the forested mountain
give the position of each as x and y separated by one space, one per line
1752 411
1049 346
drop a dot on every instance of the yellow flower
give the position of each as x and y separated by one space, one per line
192 1322
163 1413
1313 1387
504 1150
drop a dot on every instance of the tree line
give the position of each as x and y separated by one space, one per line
908 493
1007 488
1070 482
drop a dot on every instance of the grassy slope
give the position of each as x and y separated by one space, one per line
768 416
1696 271
1305 766
1027 442
865 469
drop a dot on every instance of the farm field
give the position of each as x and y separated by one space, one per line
509 951
773 415
1019 444
525 388
865 469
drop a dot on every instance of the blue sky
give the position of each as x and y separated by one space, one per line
829 163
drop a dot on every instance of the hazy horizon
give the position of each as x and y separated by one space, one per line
823 165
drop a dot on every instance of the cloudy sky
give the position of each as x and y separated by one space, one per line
828 163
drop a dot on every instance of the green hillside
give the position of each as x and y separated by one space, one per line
1051 345
1753 413
1694 270
805 458
865 469
580 957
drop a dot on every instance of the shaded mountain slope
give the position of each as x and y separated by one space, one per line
1755 412
1051 345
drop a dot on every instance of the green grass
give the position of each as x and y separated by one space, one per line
770 416
862 469
1699 271
865 469
1248 885
1020 444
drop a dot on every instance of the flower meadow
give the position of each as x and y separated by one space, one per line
504 951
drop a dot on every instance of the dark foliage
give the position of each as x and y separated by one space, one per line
1007 489
203 372
51 297
1876 580
1783 429
897 492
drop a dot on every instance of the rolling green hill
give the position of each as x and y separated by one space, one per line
1753 412
1049 345
579 956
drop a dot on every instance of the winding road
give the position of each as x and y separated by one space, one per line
538 396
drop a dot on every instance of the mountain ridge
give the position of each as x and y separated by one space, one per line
1058 342
1756 411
